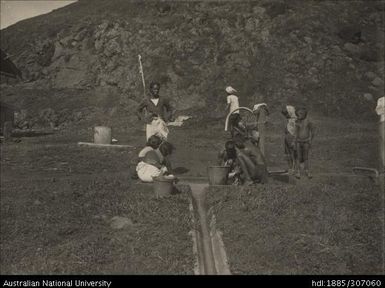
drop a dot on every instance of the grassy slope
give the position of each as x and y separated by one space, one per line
56 205
77 186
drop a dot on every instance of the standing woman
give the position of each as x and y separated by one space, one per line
232 105
159 111
380 110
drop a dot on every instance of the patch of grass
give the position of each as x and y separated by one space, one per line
312 228
63 227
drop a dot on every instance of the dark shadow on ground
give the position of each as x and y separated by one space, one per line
180 170
19 134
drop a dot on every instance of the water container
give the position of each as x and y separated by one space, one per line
218 175
163 186
102 135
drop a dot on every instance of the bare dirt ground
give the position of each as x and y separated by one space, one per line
57 201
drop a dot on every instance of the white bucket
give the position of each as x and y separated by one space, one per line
102 135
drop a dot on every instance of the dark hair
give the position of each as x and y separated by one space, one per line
300 108
285 113
230 149
154 141
166 148
239 142
152 84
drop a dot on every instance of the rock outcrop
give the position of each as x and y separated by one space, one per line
326 54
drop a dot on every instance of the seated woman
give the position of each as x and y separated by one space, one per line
251 161
245 168
228 157
152 143
155 163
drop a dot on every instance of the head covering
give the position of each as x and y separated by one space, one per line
230 90
257 106
291 111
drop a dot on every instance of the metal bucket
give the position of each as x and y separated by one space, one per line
102 135
163 187
218 175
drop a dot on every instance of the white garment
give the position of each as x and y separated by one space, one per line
291 121
380 109
234 103
155 101
146 172
256 106
157 127
179 121
143 152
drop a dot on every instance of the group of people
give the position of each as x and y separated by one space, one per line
153 159
245 152
299 135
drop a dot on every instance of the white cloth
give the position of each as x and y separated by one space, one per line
380 109
179 121
146 172
143 152
234 103
155 101
291 120
257 106
157 127
230 90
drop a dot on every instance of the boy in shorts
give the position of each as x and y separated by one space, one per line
304 134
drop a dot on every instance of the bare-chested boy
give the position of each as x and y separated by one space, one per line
304 134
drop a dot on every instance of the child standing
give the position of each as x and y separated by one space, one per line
304 134
289 142
262 114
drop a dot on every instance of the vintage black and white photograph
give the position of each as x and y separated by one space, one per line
184 137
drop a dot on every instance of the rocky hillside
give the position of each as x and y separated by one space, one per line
327 54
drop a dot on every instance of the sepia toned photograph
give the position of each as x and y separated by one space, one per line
171 137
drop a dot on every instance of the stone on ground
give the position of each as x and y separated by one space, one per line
118 222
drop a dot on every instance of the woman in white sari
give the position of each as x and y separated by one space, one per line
155 163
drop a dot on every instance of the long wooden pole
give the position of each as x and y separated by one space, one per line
142 74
